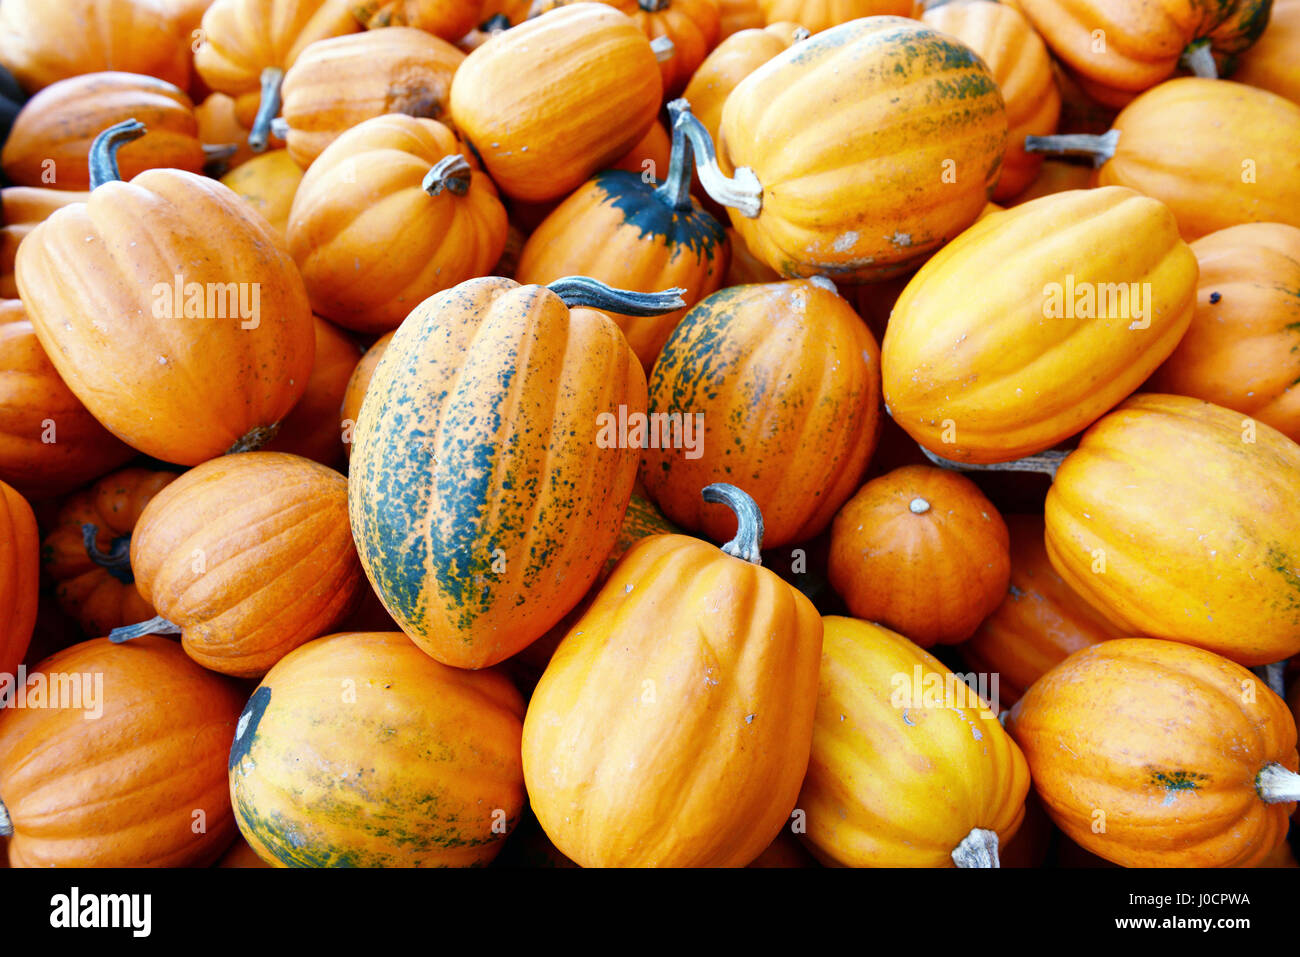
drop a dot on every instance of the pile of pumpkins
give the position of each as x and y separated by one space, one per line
649 432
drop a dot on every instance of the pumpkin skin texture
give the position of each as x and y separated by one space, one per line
840 131
99 590
59 123
553 100
1163 739
311 429
1040 622
448 19
357 385
1238 352
250 555
23 208
921 549
737 15
35 405
706 773
421 763
43 42
340 82
19 577
466 499
268 183
961 771
1022 68
1174 519
655 148
802 449
818 15
995 379
1271 63
122 790
363 190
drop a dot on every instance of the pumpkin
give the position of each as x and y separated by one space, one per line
358 383
190 364
456 517
448 19
337 83
1096 279
1232 163
50 141
737 15
43 42
19 579
634 234
1157 754
1016 55
1040 621
777 384
1241 351
423 767
1174 518
553 100
909 767
247 557
23 208
220 127
840 166
268 182
819 15
392 173
247 45
311 429
141 785
88 551
652 154
921 550
49 443
699 667
1271 63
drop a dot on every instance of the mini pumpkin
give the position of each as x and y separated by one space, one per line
311 429
268 182
448 19
19 578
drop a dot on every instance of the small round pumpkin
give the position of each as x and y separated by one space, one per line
699 667
392 174
358 383
20 573
1271 63
1157 754
247 556
448 19
819 15
909 767
921 550
423 762
141 785
311 429
268 182
88 551
776 385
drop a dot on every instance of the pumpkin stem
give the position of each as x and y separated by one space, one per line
801 34
918 506
103 152
254 439
6 825
675 192
117 562
495 23
652 6
825 282
1276 785
1199 59
594 294
1272 675
979 848
1046 462
748 542
664 48
451 173
1099 147
259 135
219 153
280 128
157 625
742 190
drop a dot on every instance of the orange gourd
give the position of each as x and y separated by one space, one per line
358 383
311 429
268 183
1271 63
448 19
737 15
819 15
19 578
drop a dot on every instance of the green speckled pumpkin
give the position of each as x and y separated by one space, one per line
359 750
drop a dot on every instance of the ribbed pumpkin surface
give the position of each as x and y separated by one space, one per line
19 577
818 15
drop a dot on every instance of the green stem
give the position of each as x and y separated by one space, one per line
157 625
117 562
979 848
103 151
267 109
742 190
452 173
675 192
1099 147
1045 462
748 543
585 291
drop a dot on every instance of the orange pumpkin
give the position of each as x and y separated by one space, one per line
88 551
1156 754
19 578
819 15
358 383
190 364
23 208
1271 63
776 382
219 127
737 15
922 551
268 183
311 429
700 669
448 19
143 784
337 83
553 100
1242 350
392 173
654 149
247 556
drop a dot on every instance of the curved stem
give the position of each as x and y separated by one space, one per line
267 109
1045 462
748 542
1276 785
451 173
675 193
254 439
979 848
1100 147
157 625
664 48
1199 59
742 190
585 291
6 825
103 151
117 562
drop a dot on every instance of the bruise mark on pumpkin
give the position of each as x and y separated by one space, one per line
246 730
1174 782
695 231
